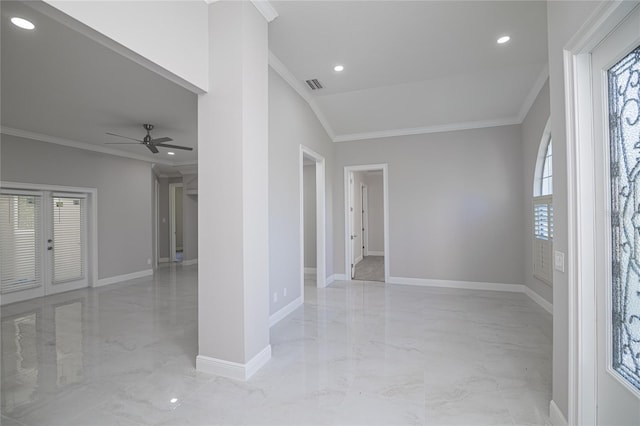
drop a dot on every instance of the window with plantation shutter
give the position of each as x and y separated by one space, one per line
68 238
543 238
20 241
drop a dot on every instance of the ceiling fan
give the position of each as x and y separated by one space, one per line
151 144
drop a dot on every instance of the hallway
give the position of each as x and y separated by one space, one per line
353 354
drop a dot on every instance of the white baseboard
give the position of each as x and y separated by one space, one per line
283 312
310 270
556 418
473 285
336 277
538 299
468 285
233 370
358 260
126 277
375 253
189 262
163 260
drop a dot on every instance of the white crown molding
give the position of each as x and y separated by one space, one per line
187 168
533 93
429 129
287 76
79 145
266 9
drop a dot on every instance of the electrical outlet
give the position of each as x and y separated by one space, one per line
285 292
275 297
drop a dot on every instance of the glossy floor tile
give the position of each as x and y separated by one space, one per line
355 353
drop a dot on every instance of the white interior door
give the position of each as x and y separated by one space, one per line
352 232
616 103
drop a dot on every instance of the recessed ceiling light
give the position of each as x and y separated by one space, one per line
173 400
171 153
338 68
504 39
22 23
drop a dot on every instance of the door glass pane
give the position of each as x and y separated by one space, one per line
624 112
20 242
68 239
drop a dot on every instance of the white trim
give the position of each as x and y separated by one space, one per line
310 270
266 9
285 311
452 127
79 145
287 76
336 277
475 285
190 262
468 285
556 418
533 93
164 260
321 220
385 190
375 253
358 259
233 370
172 220
582 368
538 299
125 277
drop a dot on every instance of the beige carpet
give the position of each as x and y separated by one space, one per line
371 268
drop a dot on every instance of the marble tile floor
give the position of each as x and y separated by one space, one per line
355 353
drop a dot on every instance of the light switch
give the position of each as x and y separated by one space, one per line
558 261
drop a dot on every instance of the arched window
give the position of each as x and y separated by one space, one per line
543 211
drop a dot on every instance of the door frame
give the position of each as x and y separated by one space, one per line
321 255
581 175
91 225
364 197
347 222
172 219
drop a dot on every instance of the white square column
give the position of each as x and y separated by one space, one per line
233 244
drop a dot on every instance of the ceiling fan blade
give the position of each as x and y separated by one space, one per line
124 137
122 143
152 148
160 140
164 145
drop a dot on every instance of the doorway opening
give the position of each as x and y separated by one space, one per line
175 223
366 223
312 219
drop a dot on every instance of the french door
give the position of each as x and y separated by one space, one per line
616 109
43 243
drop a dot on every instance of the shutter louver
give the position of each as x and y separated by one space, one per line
543 238
20 241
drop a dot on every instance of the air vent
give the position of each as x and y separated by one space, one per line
314 84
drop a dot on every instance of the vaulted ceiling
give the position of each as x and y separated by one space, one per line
413 66
410 67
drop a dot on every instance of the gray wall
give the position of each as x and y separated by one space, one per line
124 195
455 203
564 18
309 194
291 123
375 195
163 218
532 133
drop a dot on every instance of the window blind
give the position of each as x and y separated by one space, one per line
20 241
68 238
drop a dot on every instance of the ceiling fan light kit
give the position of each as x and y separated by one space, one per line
151 144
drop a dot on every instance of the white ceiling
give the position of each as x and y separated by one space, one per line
64 87
413 66
410 67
